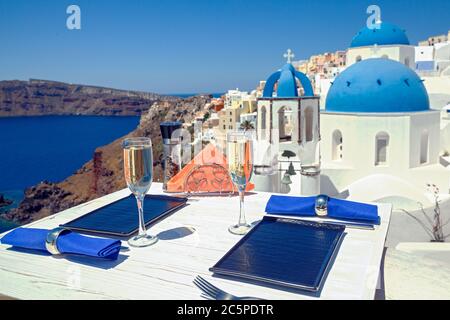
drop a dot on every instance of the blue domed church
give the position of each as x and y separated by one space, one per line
378 124
384 40
288 124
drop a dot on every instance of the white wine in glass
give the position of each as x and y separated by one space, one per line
240 168
138 169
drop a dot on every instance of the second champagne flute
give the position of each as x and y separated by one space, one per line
240 167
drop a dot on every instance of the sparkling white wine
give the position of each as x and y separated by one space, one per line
138 171
240 164
240 167
138 167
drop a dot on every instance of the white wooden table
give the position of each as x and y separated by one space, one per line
166 270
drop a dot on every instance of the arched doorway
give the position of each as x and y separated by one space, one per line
285 124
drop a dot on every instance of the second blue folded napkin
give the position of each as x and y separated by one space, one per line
67 243
337 208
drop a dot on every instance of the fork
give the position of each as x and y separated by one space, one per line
212 292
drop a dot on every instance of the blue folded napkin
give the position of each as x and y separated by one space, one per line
337 209
67 243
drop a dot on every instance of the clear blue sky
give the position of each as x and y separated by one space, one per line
187 46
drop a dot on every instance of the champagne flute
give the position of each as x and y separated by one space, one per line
240 167
138 169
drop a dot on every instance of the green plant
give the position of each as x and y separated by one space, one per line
247 125
206 116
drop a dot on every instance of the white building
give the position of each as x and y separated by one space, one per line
445 131
442 58
380 139
424 56
436 73
235 98
250 117
385 41
232 97
288 122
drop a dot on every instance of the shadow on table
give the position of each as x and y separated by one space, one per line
314 294
176 233
84 260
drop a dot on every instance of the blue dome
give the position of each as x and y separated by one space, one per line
377 85
287 83
387 34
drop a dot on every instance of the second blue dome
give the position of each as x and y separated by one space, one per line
377 86
387 34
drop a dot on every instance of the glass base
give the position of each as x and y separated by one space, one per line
240 229
142 241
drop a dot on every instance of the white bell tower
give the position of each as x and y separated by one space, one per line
288 121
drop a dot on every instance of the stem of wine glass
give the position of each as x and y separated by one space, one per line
242 220
140 204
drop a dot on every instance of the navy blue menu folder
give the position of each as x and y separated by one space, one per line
285 252
120 218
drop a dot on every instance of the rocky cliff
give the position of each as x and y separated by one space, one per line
4 202
104 173
41 97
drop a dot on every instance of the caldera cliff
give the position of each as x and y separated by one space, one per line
42 97
104 173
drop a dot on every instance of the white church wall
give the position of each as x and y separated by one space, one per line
311 123
267 183
400 53
424 53
325 85
424 126
445 137
442 51
438 88
359 133
263 120
407 56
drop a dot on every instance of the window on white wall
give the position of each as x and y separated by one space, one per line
358 59
337 146
424 146
309 118
381 148
263 118
407 62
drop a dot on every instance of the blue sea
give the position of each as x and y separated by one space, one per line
50 148
187 95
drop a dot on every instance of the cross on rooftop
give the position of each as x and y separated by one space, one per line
289 55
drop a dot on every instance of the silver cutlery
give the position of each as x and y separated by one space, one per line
348 224
211 292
